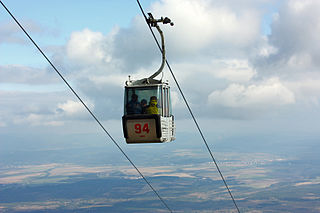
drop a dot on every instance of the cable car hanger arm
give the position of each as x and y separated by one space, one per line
154 23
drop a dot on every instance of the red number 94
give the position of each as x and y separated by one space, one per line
138 128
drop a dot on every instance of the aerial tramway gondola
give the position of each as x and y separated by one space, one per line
147 105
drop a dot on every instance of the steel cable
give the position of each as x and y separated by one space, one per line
90 112
191 113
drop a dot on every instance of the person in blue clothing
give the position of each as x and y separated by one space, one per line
144 106
134 106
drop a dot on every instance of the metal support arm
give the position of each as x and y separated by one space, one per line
150 80
154 23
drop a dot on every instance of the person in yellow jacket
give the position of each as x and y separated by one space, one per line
152 108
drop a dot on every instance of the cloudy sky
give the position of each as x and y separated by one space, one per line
246 66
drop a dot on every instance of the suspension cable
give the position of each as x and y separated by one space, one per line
87 108
191 113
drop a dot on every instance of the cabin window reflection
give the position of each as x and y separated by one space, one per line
142 100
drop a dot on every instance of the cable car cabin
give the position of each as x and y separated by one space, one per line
147 113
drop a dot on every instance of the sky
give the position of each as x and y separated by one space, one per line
247 67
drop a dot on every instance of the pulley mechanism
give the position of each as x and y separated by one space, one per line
153 22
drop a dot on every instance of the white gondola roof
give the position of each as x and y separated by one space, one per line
145 82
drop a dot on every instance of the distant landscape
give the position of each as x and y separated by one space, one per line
185 178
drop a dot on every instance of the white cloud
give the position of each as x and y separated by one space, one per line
26 75
299 6
8 34
87 47
227 44
294 34
299 60
11 33
265 50
47 115
34 119
201 27
234 70
101 81
175 100
31 108
267 94
2 124
213 45
73 108
213 73
307 89
200 24
134 46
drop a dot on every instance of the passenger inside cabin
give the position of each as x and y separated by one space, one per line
144 106
134 106
153 108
